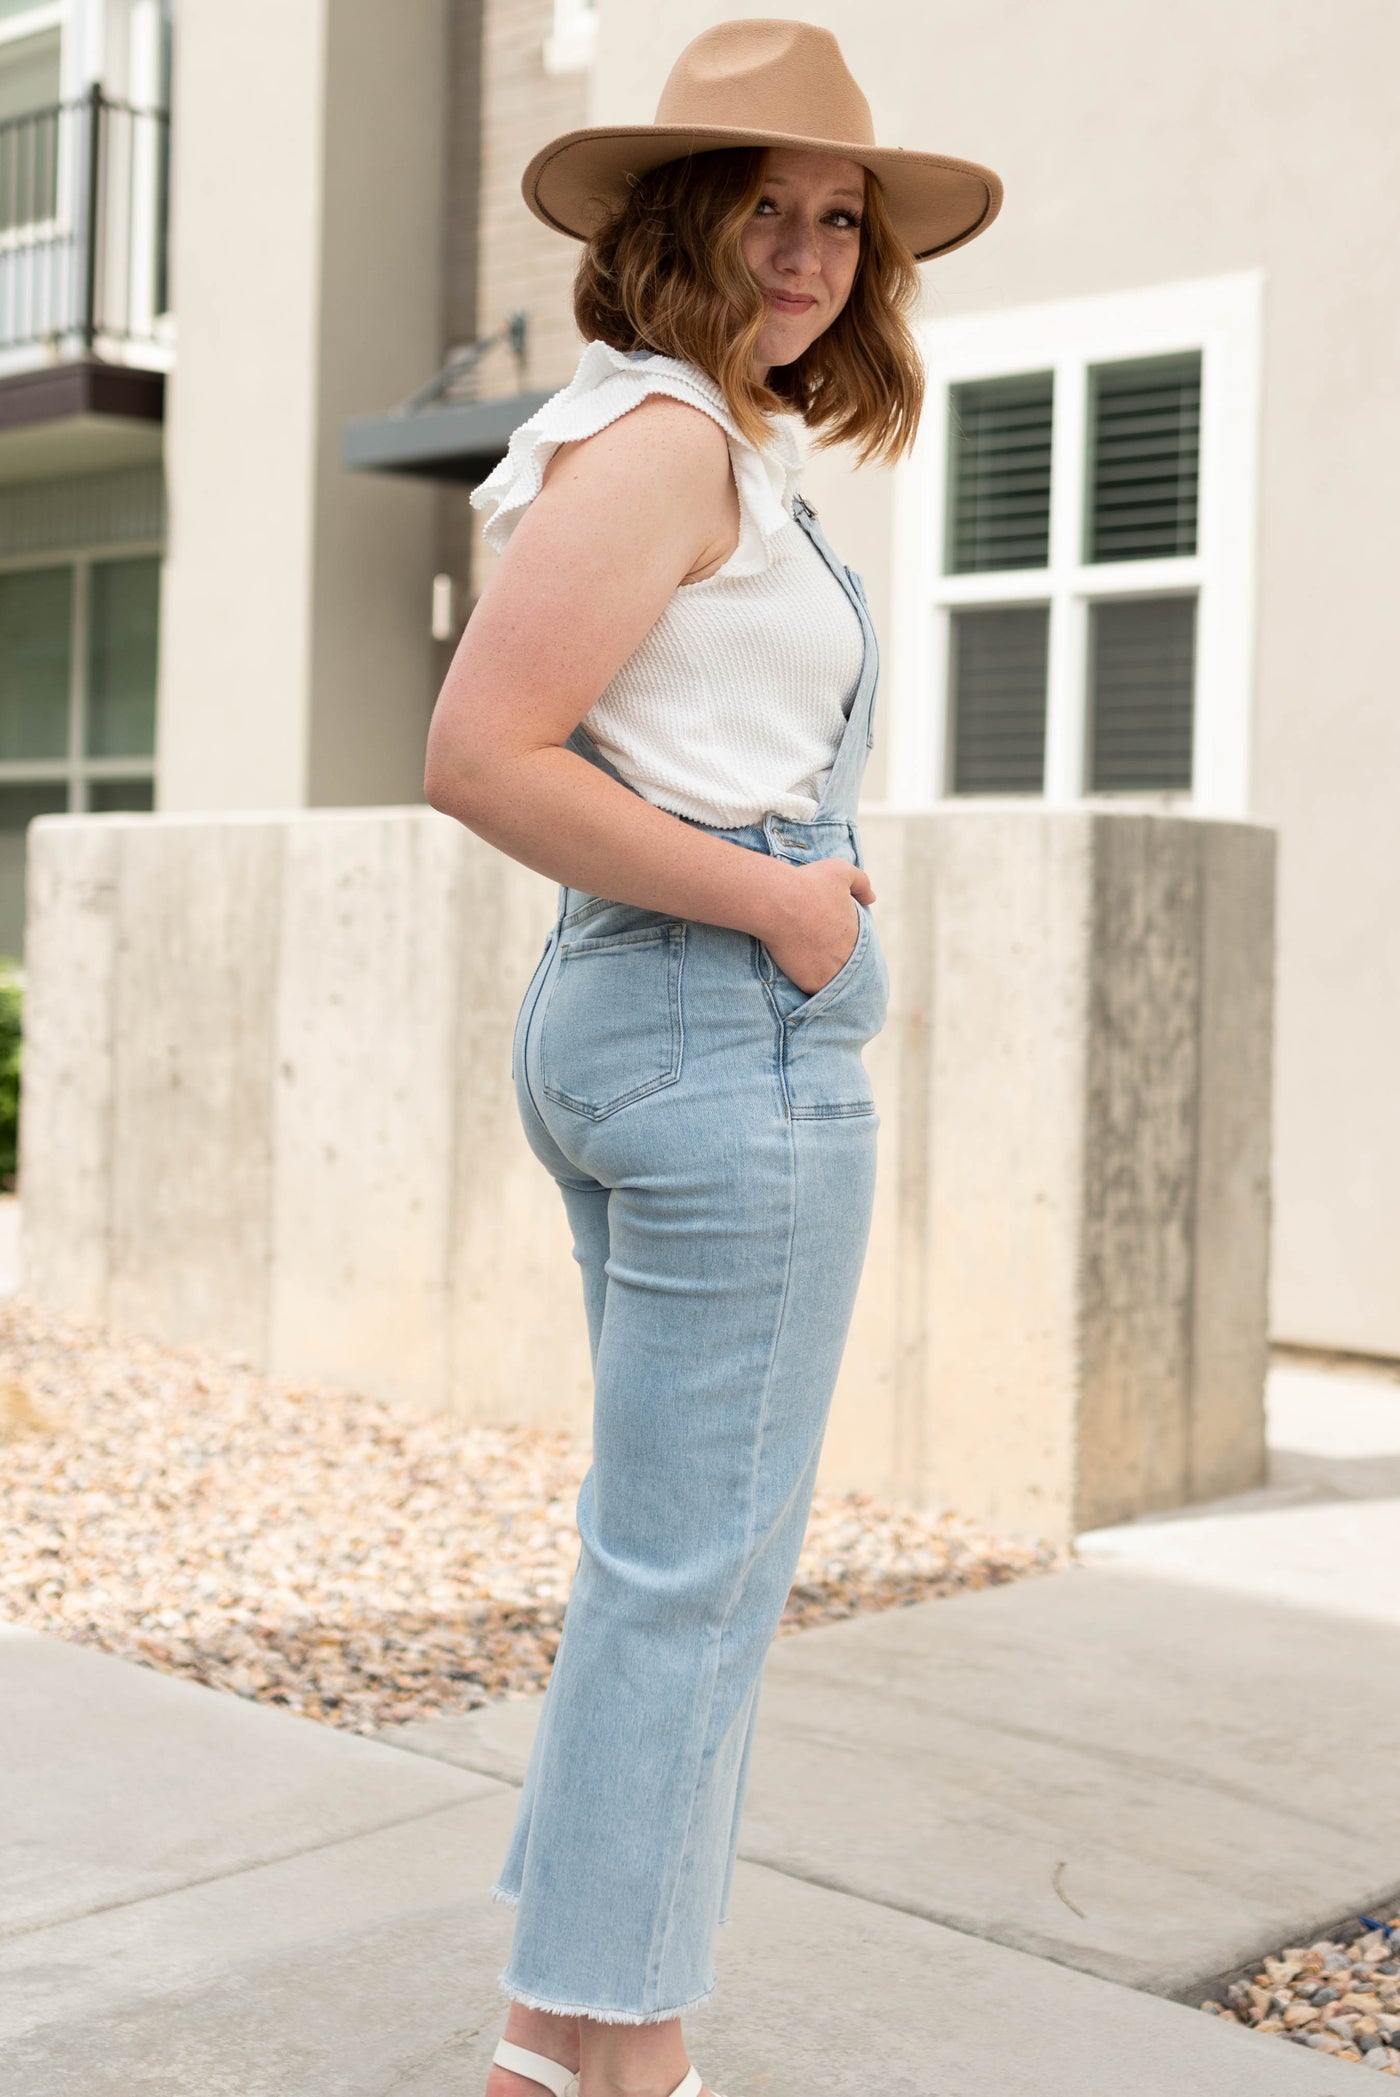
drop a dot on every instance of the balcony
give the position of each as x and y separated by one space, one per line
84 257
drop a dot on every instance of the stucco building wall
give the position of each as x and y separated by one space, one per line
1139 148
296 665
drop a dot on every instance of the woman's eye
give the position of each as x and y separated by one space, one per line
852 219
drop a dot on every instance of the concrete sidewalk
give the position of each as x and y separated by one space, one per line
1102 1768
987 1838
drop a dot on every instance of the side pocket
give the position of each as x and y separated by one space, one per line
612 1030
792 1007
824 1074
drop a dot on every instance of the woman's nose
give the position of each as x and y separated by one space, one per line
798 250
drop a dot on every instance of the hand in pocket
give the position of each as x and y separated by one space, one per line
820 922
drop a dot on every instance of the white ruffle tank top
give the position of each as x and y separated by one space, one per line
734 703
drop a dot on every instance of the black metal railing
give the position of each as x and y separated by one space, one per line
84 216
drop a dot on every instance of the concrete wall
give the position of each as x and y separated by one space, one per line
268 1108
309 162
267 1101
1141 146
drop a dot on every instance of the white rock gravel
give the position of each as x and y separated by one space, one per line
1340 1995
317 1549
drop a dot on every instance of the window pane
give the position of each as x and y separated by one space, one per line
123 610
36 619
998 684
1145 419
999 473
1142 684
18 803
29 82
29 73
105 795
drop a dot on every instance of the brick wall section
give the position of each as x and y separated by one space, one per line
461 254
462 199
524 263
498 255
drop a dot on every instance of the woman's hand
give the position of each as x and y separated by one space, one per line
816 933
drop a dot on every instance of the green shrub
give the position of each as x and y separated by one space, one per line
11 1030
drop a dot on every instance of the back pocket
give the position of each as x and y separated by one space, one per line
612 1024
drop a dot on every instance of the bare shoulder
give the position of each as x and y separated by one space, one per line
674 448
650 494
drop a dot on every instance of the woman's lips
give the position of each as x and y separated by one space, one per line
787 303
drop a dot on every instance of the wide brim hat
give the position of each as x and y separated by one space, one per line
764 82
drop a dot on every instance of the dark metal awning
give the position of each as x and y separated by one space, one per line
434 436
459 442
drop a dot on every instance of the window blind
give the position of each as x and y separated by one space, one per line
1145 423
999 477
1141 677
998 685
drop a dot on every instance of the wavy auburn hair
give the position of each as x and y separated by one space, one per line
666 272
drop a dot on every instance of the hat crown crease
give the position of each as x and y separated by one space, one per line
761 78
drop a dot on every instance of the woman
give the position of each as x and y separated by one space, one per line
664 701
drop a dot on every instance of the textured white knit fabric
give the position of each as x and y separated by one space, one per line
734 703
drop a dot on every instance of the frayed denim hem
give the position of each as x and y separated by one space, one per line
597 2016
505 1896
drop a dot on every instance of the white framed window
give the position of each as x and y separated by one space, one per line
1075 551
78 635
573 37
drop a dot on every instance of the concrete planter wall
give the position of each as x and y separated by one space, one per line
1064 1320
267 1108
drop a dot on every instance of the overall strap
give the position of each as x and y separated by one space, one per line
583 745
842 790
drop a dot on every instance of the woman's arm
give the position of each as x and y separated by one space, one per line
621 519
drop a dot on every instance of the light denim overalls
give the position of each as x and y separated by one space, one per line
712 1130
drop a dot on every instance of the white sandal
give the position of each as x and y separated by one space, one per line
538 2067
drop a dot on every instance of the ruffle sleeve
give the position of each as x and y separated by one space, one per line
606 383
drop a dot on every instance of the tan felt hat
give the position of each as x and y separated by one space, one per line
765 82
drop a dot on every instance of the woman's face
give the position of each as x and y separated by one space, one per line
803 245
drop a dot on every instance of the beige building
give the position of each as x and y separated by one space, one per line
1142 546
86 343
209 264
1141 535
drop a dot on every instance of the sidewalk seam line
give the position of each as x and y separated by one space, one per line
213 1878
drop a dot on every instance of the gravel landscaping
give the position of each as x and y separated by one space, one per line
1340 1995
320 1550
